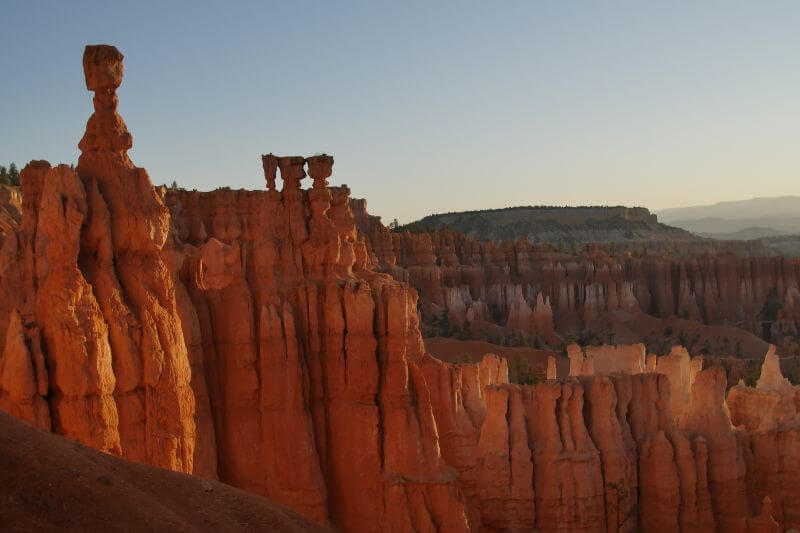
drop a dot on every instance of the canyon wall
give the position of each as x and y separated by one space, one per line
234 335
620 452
490 290
245 336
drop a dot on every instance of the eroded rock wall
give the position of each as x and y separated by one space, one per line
310 357
10 210
538 290
243 335
238 336
604 452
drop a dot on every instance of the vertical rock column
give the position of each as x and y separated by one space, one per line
270 164
707 416
23 378
75 338
122 252
321 250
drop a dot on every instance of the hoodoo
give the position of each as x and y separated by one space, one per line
499 290
245 336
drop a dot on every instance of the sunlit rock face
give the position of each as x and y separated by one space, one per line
10 210
246 336
236 335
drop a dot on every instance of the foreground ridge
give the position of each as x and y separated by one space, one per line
96 492
243 336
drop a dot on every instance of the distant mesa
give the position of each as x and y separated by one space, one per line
554 225
747 234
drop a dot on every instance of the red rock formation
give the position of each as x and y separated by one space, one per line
23 376
677 367
243 335
317 368
58 306
255 307
606 359
10 210
270 164
596 448
509 282
85 272
770 422
552 370
122 243
771 404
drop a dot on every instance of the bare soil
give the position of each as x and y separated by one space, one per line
49 483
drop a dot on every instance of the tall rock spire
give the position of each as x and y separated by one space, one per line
102 67
122 255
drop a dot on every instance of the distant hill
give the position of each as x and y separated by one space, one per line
787 245
746 234
756 218
556 225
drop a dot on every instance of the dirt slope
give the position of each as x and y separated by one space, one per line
49 483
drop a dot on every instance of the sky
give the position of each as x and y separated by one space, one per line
428 107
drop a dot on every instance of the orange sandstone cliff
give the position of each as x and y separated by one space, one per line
10 210
245 336
239 337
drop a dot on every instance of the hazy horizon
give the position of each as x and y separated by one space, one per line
429 108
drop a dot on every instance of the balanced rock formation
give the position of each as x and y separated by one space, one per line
87 275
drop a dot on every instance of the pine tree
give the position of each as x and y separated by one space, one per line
444 324
13 174
4 177
520 366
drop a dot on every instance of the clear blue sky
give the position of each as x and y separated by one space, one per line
430 106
